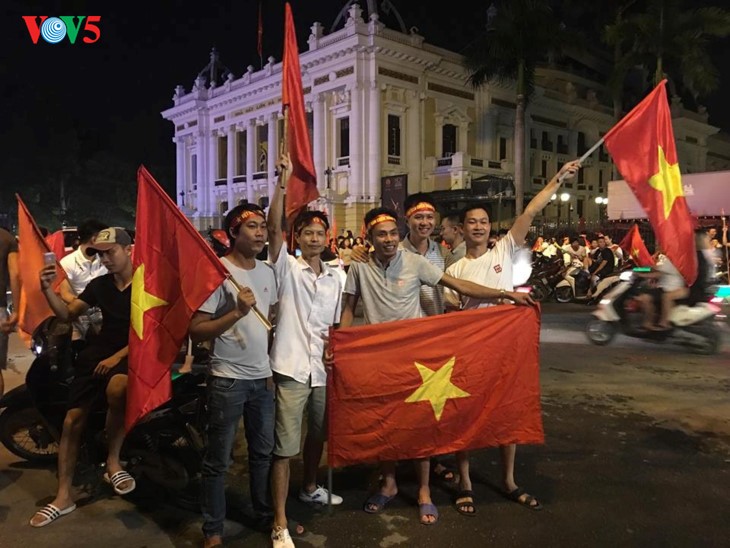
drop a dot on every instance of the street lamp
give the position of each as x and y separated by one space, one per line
601 202
328 172
564 197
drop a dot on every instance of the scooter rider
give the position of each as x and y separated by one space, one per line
101 368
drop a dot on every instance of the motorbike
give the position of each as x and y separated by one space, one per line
576 282
547 272
165 447
693 324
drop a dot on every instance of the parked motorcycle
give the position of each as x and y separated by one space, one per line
547 272
693 324
166 447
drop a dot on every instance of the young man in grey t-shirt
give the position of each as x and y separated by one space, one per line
240 381
389 285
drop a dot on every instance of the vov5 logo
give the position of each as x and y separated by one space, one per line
54 29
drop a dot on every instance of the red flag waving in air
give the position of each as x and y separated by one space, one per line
33 307
175 271
302 186
642 146
417 388
633 246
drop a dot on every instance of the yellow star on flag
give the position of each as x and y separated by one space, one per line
668 181
141 301
635 252
437 387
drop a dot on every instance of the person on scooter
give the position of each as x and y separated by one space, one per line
602 265
101 368
670 288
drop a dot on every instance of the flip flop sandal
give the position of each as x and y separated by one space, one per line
428 509
50 514
461 501
526 502
117 479
379 500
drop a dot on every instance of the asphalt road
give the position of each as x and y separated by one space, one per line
637 453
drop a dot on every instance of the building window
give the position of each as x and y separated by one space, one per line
448 140
194 171
579 208
343 143
502 148
393 135
310 127
262 142
543 168
240 153
222 157
581 143
562 145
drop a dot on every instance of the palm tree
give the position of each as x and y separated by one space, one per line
672 42
520 34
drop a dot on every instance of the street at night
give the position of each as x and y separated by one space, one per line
637 453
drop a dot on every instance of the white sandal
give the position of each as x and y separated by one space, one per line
117 479
50 514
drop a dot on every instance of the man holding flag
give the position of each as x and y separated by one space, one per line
389 285
101 368
239 381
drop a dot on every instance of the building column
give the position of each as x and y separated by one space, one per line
319 145
212 146
273 156
250 158
439 134
230 164
357 175
413 139
180 170
201 192
374 143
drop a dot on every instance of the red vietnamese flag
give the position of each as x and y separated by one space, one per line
633 246
33 307
417 388
302 186
175 271
56 244
642 146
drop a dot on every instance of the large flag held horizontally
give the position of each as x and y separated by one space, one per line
633 246
642 146
417 388
33 307
175 271
302 186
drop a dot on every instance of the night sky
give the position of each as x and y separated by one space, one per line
112 91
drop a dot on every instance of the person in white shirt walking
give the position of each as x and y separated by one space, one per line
310 298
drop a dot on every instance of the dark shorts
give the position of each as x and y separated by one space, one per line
86 388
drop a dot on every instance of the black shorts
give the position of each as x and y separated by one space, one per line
86 388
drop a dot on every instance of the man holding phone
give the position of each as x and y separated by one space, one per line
101 368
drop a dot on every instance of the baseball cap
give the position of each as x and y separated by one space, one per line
106 239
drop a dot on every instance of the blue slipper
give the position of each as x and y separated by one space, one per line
428 509
379 501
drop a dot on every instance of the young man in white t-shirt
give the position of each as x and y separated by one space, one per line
239 381
493 268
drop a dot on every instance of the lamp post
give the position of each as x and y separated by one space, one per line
182 198
601 202
564 197
328 173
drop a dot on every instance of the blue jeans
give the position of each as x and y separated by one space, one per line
228 399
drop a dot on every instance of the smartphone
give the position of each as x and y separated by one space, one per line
49 258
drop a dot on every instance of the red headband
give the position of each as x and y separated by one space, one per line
383 217
245 215
420 206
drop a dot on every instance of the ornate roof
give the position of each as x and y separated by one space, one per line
387 12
